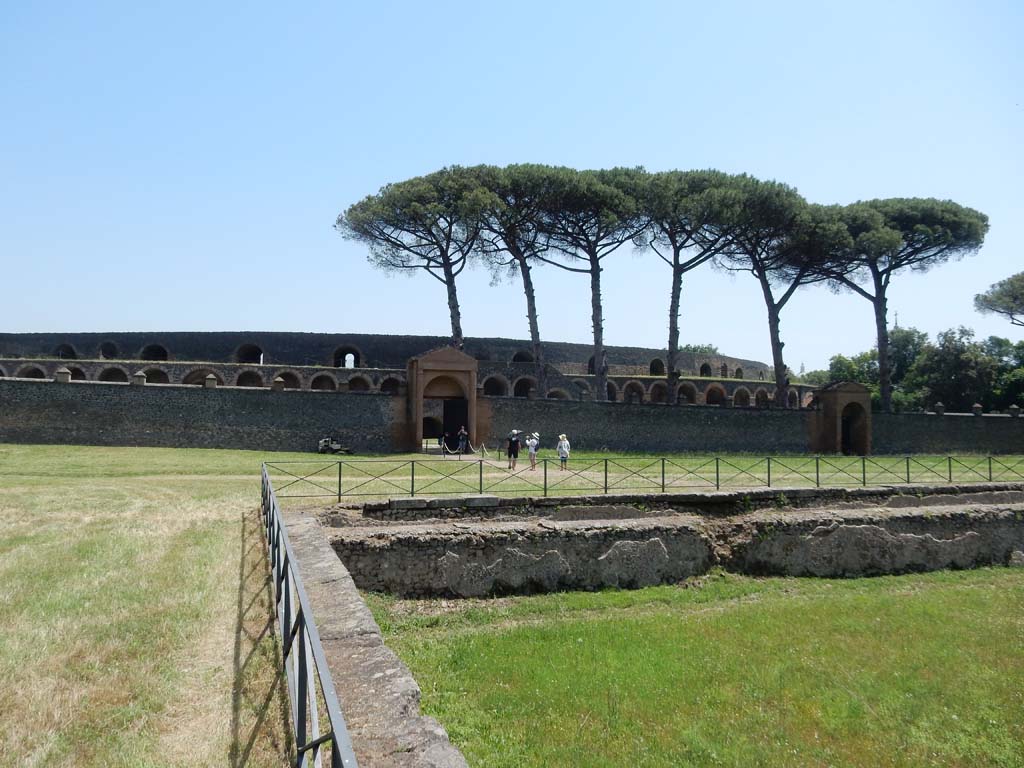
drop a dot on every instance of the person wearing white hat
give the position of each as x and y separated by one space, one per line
563 450
513 448
532 441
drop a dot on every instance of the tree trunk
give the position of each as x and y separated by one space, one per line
453 305
882 329
781 379
671 375
531 314
600 363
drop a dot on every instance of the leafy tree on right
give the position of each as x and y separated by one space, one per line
1004 298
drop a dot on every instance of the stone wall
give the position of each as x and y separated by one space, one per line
950 433
193 417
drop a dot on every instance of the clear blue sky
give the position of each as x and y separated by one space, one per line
179 166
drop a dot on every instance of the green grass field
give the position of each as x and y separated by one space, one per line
920 670
134 610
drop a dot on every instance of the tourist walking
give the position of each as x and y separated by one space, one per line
513 448
463 439
563 450
532 441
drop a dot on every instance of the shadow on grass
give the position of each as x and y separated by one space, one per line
260 727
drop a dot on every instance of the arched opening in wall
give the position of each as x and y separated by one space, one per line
453 405
77 374
109 351
761 398
724 372
582 389
31 372
657 367
558 394
249 379
431 428
358 384
154 352
484 356
347 357
738 374
741 398
705 369
157 376
854 438
323 383
633 393
613 392
523 386
714 395
793 399
760 375
291 380
590 365
249 353
390 386
115 375
198 377
522 356
687 394
659 392
3 373
65 352
808 400
495 386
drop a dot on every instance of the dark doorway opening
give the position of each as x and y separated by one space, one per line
854 439
455 415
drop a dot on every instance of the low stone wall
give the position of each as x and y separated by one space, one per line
579 545
951 433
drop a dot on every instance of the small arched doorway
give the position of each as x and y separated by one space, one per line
854 438
705 370
446 394
657 367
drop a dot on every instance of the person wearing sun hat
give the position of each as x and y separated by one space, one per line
513 448
532 441
563 450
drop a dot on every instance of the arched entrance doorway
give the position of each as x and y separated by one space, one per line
854 435
445 400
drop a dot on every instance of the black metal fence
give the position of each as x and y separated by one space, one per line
309 679
383 478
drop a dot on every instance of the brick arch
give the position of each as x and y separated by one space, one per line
249 353
198 376
292 380
657 367
348 356
738 374
613 392
686 394
496 385
445 385
741 397
658 393
77 374
157 376
633 392
30 372
808 399
115 374
249 379
390 386
522 356
761 398
793 399
359 384
714 394
156 352
558 394
705 370
323 382
522 386
65 352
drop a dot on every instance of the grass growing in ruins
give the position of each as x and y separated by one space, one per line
911 670
135 609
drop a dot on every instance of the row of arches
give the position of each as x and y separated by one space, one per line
343 357
108 350
634 392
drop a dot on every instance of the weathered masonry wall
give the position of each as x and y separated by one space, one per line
193 417
649 427
950 433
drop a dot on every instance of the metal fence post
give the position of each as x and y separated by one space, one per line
663 474
606 475
908 470
817 471
990 469
545 476
481 475
949 464
718 484
412 477
864 470
339 482
769 471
